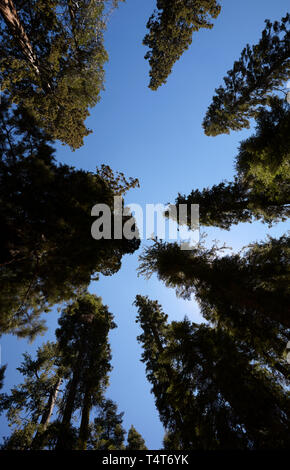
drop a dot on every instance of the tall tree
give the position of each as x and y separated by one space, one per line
260 190
52 59
67 377
47 252
247 295
83 340
223 397
166 384
135 440
170 33
260 70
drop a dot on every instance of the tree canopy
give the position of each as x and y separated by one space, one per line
47 252
83 341
52 61
170 33
67 378
261 69
220 384
30 404
107 431
210 394
263 161
246 294
260 190
135 440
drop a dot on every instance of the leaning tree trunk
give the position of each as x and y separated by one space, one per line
51 403
37 442
12 20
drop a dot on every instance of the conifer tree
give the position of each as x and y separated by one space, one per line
166 385
107 429
52 61
260 190
135 440
170 33
83 341
247 295
263 161
222 396
47 252
66 379
30 405
260 70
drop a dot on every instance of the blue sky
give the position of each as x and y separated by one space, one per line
157 137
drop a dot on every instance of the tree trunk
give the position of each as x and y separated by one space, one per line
51 403
68 410
70 399
37 440
84 428
12 20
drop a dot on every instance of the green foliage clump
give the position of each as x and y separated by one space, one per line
47 252
135 440
52 62
247 294
170 33
261 69
107 429
261 188
210 392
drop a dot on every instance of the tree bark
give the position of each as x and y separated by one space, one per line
51 403
12 20
38 438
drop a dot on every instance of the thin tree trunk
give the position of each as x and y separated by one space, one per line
84 427
37 441
51 403
11 18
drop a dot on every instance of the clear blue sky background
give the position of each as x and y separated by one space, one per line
157 137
